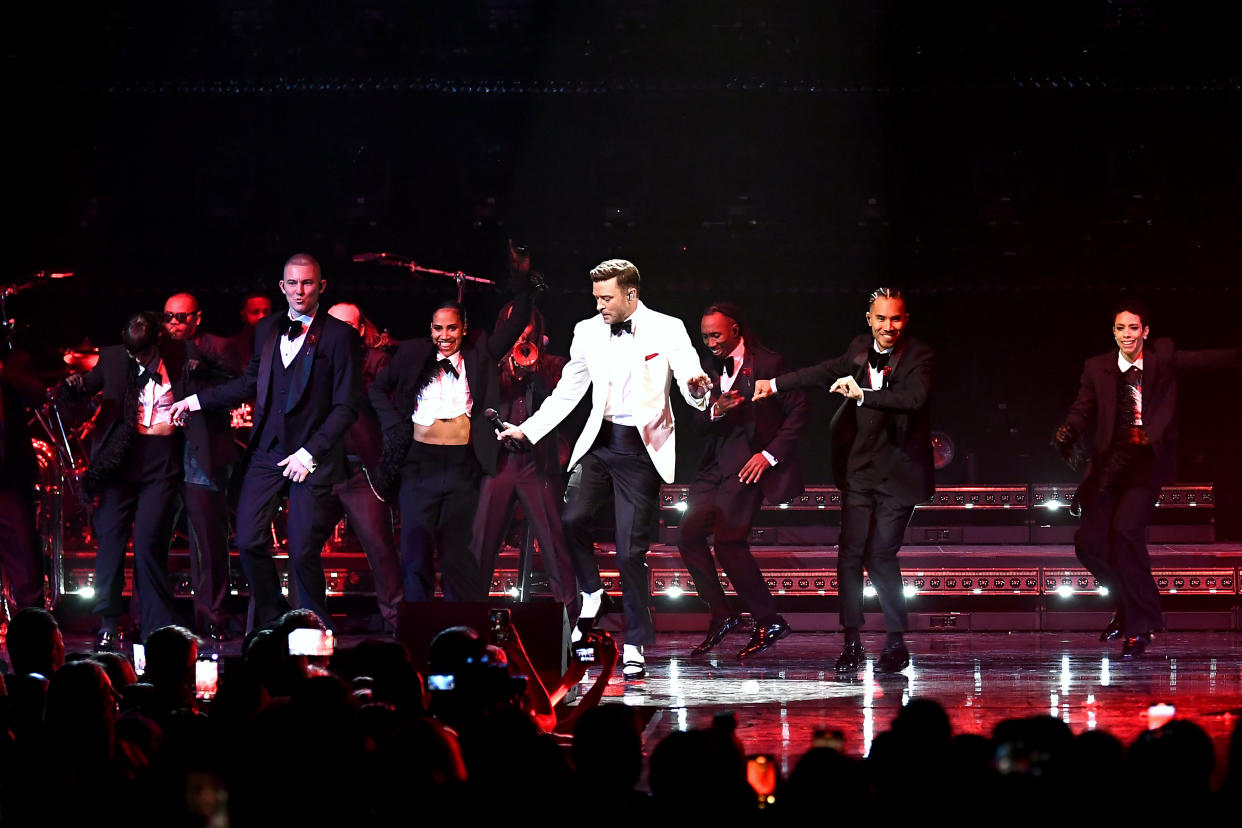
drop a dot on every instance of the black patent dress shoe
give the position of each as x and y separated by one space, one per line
717 634
894 659
764 637
1113 630
851 658
108 641
1135 646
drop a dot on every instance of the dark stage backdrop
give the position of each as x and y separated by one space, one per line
1017 167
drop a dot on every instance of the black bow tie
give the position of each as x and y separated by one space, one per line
725 365
447 365
295 329
146 375
619 327
877 360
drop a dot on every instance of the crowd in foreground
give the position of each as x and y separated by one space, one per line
357 738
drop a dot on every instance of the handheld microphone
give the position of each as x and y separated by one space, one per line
500 425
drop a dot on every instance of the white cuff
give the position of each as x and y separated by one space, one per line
305 459
195 405
771 460
772 382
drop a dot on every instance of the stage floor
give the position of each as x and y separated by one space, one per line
981 679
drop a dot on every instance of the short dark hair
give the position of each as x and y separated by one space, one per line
735 313
1136 307
888 293
141 332
168 655
305 260
452 304
624 272
31 639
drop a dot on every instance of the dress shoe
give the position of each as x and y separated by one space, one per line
765 636
634 663
1113 630
108 641
894 659
1135 646
717 634
851 657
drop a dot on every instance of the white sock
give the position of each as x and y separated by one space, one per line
632 652
591 602
575 635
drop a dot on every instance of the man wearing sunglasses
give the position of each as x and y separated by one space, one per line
209 454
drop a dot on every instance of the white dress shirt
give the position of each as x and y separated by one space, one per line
289 347
154 399
447 397
1136 391
726 385
623 355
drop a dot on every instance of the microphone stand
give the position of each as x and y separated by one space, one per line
393 260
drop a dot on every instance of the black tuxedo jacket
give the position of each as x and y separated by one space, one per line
773 424
903 401
394 393
323 394
1096 404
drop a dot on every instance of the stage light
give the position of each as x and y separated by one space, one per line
909 590
869 591
87 592
1102 590
1065 590
681 506
673 591
513 592
1053 505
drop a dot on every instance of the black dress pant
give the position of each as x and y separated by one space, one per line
1111 542
617 465
140 502
371 520
439 494
207 517
873 524
20 553
310 524
517 480
723 506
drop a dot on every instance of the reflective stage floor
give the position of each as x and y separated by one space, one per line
980 678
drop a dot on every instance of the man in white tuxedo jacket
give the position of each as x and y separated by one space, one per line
629 355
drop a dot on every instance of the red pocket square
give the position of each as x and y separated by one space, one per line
652 356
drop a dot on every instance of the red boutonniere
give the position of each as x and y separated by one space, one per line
746 372
888 369
311 340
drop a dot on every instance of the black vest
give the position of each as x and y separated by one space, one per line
273 433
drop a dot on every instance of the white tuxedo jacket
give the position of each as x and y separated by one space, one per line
664 354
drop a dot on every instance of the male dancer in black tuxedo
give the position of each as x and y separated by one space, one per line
210 452
750 454
369 515
630 356
304 380
532 478
881 460
136 466
430 400
1127 401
